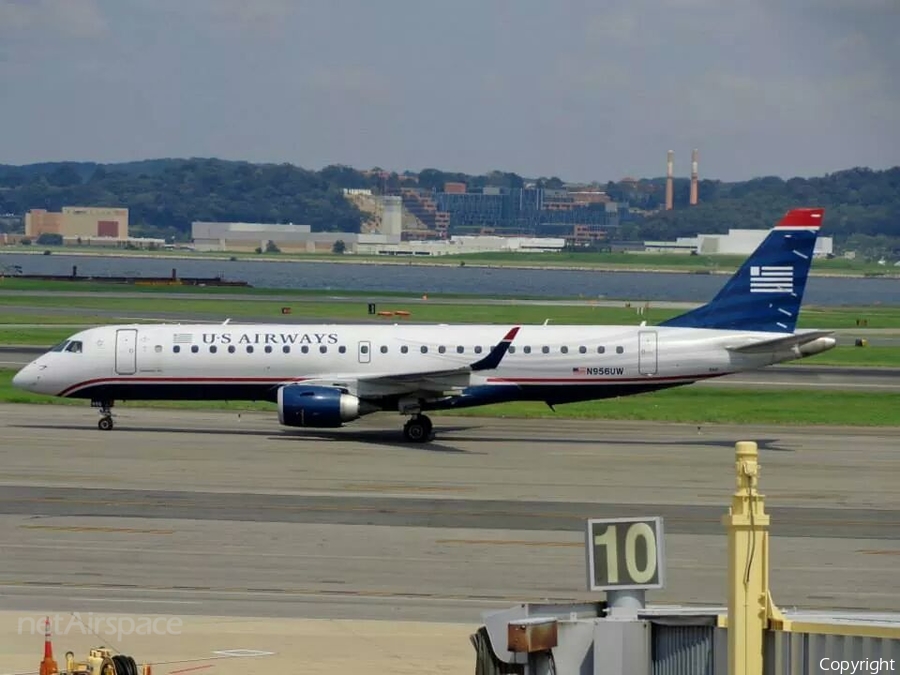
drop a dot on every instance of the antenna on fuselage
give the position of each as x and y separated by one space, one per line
546 322
225 323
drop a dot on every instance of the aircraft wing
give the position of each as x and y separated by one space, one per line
782 342
424 380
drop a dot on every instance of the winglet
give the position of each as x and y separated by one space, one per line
492 360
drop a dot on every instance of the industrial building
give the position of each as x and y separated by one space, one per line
736 242
248 237
79 222
461 245
386 212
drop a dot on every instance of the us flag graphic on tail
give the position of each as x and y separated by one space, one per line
771 279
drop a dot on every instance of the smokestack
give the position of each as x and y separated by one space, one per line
694 156
670 167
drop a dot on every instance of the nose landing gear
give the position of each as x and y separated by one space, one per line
106 418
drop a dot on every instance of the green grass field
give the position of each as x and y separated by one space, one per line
320 309
684 405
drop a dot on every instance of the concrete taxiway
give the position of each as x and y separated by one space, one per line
200 514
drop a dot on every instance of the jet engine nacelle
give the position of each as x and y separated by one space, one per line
300 406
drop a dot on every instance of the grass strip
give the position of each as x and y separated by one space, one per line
683 405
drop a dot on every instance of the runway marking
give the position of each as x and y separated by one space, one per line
878 552
388 487
192 668
85 528
242 652
130 600
294 592
511 542
399 511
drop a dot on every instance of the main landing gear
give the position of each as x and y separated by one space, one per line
106 420
418 429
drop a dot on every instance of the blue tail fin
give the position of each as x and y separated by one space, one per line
766 292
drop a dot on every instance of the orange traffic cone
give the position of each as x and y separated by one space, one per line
48 665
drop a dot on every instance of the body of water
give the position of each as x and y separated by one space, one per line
419 280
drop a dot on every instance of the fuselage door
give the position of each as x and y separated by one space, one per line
647 354
126 351
365 351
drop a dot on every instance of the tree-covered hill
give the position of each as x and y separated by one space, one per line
165 195
857 201
168 194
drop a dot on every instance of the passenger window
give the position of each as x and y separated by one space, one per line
383 349
460 349
512 350
601 350
343 350
404 349
268 349
249 349
195 349
423 349
545 349
477 350
527 350
442 349
564 350
286 349
304 349
323 349
212 349
176 349
582 350
231 349
364 349
620 350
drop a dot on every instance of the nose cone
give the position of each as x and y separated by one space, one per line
26 378
18 380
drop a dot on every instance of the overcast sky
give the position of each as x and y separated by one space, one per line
575 88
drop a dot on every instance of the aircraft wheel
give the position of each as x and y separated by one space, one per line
418 429
105 424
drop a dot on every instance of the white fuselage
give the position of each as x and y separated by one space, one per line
251 361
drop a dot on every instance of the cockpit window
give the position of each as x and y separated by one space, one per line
60 347
74 346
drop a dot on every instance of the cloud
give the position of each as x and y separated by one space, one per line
71 18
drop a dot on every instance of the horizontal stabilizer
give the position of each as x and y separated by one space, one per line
786 342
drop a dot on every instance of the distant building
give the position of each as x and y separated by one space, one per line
385 212
75 222
736 242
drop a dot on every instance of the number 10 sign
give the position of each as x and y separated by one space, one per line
625 553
